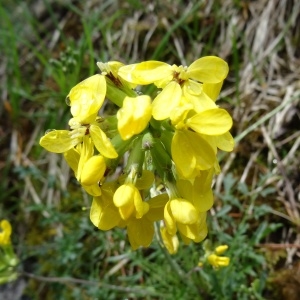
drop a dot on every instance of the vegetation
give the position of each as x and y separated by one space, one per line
49 46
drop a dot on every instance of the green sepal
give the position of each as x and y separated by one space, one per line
117 94
161 159
136 157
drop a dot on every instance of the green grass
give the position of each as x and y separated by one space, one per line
49 48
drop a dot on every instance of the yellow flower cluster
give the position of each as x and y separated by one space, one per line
8 258
214 257
5 233
170 141
219 261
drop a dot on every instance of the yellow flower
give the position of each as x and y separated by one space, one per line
218 261
188 215
209 69
134 116
199 192
213 257
196 232
183 211
191 153
141 230
104 214
171 242
215 121
93 170
182 215
200 125
212 90
195 142
221 249
110 69
129 201
177 81
86 98
77 157
223 142
60 141
5 233
172 142
88 169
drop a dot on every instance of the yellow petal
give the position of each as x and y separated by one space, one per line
58 141
180 112
5 233
93 170
211 122
156 214
145 181
193 87
104 214
197 231
124 200
110 187
202 187
218 261
93 190
102 142
141 207
183 211
145 72
134 116
140 232
217 168
225 142
204 201
191 153
166 100
72 157
199 100
169 219
221 249
110 67
87 97
158 201
187 232
209 69
212 90
211 140
86 151
199 192
157 205
171 242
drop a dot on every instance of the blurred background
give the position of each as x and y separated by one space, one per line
49 46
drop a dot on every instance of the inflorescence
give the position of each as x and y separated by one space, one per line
155 159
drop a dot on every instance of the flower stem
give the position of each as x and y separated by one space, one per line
176 268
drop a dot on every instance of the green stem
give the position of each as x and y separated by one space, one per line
161 159
176 268
136 157
116 94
